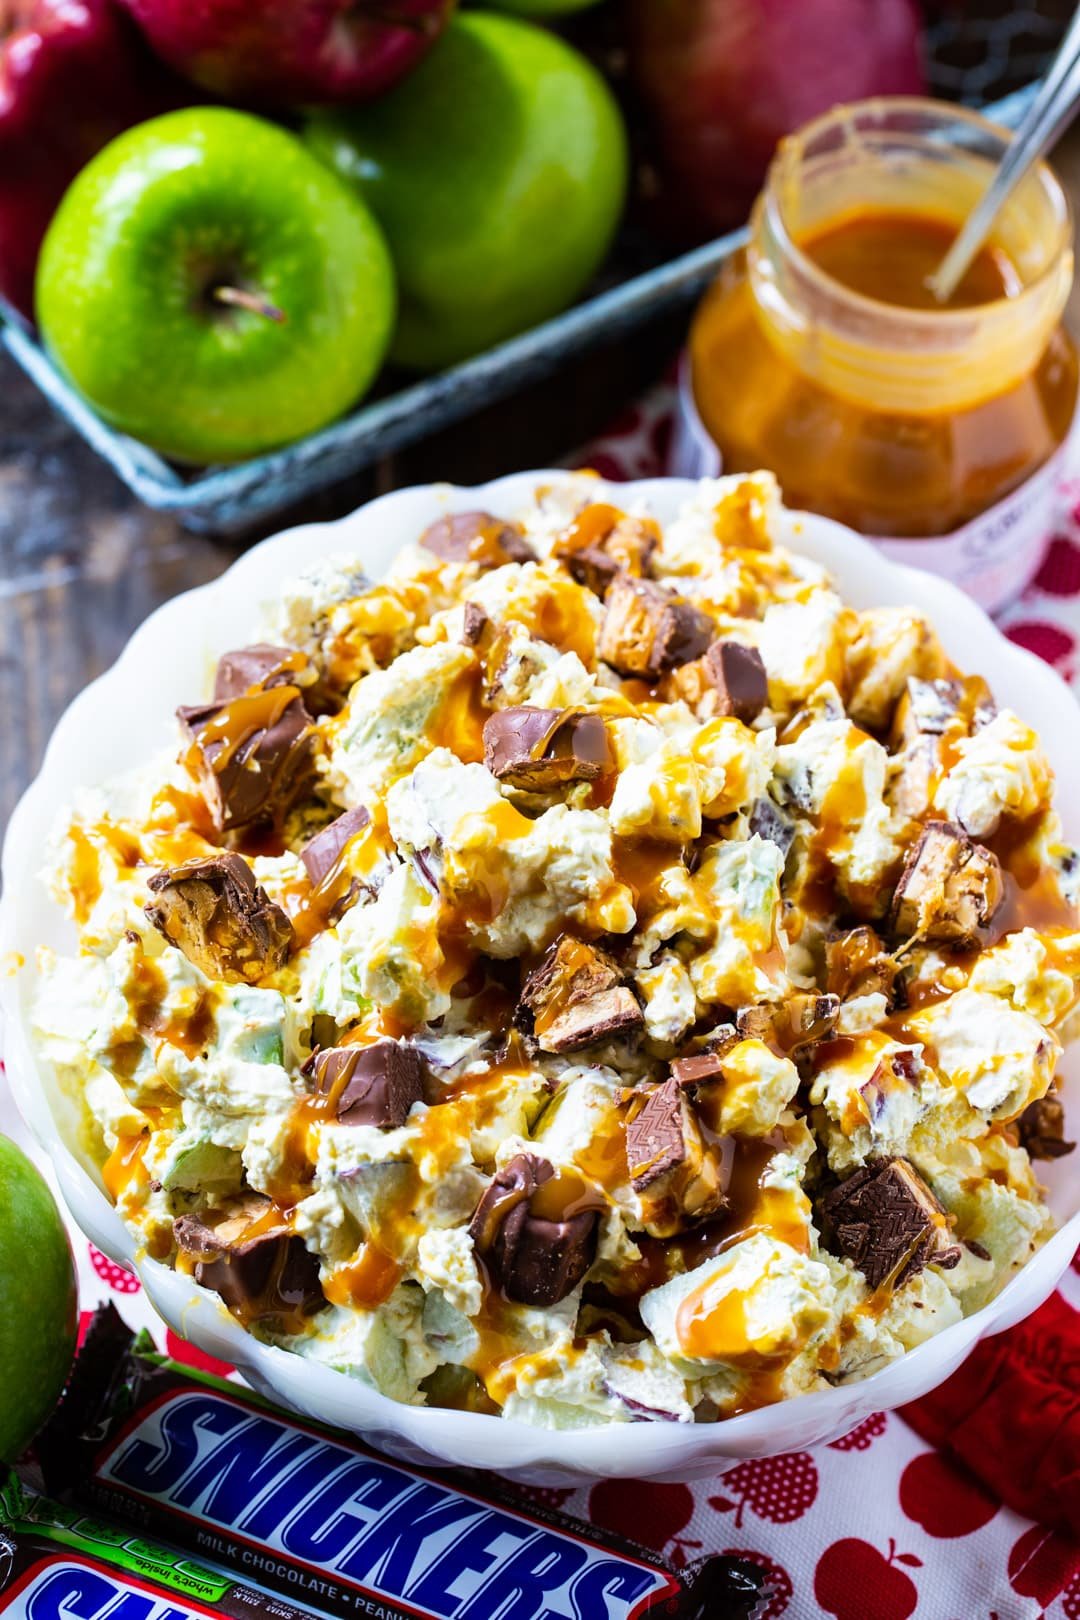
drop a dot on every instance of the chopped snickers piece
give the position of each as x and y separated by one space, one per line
767 822
535 1231
575 997
603 542
215 912
647 629
475 623
930 708
857 964
477 537
913 777
694 1071
253 756
683 1178
322 853
270 1275
368 1085
1041 1129
261 666
800 1020
950 888
885 1219
738 674
539 749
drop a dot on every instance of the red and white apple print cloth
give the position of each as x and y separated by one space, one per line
966 1506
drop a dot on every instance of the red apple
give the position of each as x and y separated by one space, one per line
723 80
73 73
292 52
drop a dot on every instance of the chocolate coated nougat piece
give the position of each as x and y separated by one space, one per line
680 1176
215 912
888 1223
536 1254
260 665
253 756
270 1275
930 708
1041 1128
857 964
369 1085
322 853
949 889
540 749
575 997
738 674
768 822
647 629
477 537
802 1018
625 545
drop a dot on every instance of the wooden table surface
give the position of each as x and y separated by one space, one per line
82 563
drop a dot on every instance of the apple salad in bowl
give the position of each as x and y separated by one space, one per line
592 974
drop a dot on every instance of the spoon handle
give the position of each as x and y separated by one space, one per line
1048 116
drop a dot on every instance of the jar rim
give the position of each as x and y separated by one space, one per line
881 109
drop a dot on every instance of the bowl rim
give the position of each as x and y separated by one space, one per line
449 1435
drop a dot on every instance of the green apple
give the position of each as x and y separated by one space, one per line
38 1316
498 171
212 290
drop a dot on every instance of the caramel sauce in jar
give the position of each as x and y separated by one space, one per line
821 353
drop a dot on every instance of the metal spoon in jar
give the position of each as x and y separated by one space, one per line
1049 116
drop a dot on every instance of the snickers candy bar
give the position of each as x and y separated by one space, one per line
575 997
368 1085
260 666
253 755
477 537
930 708
1041 1128
949 890
798 1021
56 1562
270 1275
540 749
738 674
535 1232
681 1178
322 854
647 629
339 1527
768 822
603 542
888 1223
215 912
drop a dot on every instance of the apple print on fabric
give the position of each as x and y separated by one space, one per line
779 1582
853 1581
1060 572
863 1435
1048 641
946 1500
652 1515
1043 1565
118 1278
779 1489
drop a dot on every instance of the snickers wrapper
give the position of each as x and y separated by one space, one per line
58 1563
314 1515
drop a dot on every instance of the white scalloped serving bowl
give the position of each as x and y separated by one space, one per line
125 715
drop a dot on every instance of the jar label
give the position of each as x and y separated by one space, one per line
992 558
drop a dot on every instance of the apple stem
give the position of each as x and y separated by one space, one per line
240 299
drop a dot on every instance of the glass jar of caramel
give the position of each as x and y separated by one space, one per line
821 353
